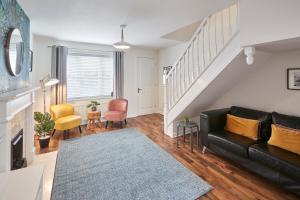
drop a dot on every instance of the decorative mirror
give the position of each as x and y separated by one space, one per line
14 52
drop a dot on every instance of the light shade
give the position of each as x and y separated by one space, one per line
51 82
48 81
122 44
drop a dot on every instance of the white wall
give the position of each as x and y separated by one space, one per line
167 57
265 87
264 21
42 67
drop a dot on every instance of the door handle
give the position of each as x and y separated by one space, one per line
139 90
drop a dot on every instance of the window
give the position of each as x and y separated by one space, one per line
89 75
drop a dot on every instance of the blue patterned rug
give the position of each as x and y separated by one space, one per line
122 164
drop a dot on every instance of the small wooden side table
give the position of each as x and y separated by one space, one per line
94 119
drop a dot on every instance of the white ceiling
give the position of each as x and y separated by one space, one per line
97 21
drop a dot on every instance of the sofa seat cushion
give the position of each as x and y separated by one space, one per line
276 158
231 142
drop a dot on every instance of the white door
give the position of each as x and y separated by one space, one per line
147 82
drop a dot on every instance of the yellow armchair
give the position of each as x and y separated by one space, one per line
64 117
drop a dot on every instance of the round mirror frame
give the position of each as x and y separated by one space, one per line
7 53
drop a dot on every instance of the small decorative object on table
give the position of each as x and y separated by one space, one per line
93 105
187 124
43 127
94 119
187 119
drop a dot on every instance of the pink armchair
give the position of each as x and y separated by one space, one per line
117 111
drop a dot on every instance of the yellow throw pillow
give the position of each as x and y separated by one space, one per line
242 126
285 138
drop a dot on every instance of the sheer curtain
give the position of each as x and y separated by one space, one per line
59 71
119 74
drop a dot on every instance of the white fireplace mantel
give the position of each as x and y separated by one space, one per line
11 103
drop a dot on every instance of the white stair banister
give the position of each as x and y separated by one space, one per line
212 36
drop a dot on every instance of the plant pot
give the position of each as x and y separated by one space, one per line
94 109
44 141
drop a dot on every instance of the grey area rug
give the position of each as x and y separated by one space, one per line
121 164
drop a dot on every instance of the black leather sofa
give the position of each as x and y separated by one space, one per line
273 163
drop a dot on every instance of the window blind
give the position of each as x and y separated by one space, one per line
89 75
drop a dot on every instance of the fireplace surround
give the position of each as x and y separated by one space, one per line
11 104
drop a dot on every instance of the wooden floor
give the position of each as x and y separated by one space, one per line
229 181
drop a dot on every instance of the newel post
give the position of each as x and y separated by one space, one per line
166 70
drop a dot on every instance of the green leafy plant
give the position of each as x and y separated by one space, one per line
187 119
93 105
45 125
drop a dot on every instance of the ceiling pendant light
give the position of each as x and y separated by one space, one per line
122 44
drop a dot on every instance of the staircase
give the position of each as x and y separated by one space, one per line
213 46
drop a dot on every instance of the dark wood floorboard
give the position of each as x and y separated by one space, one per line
229 180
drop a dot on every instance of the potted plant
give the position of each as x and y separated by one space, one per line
186 119
93 105
43 127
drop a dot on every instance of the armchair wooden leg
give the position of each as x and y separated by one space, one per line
80 129
121 124
125 121
106 124
53 132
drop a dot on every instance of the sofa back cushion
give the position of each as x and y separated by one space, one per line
246 127
285 138
265 119
286 120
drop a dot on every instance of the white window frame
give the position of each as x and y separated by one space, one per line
89 53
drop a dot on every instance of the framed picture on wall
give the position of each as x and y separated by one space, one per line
293 78
30 60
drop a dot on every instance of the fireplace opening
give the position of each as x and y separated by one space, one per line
17 159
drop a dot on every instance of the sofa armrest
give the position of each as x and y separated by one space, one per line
213 120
